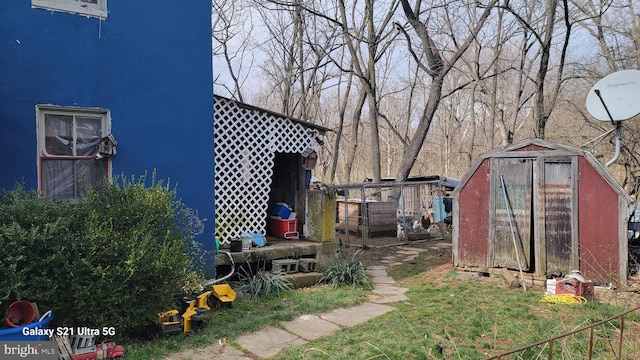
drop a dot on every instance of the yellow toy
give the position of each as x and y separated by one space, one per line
224 294
193 316
169 323
203 300
172 322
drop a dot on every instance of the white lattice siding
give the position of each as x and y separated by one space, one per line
246 141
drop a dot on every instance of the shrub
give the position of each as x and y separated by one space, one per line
262 283
36 236
115 260
345 271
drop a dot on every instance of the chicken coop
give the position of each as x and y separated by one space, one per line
387 210
544 209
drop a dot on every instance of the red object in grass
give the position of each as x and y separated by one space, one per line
20 313
100 351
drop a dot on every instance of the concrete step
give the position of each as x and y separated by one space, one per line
302 280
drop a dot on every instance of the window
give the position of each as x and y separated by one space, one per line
68 141
96 8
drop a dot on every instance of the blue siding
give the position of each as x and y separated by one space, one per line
149 63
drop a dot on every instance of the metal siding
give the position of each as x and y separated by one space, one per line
512 220
598 222
598 207
149 65
473 238
557 194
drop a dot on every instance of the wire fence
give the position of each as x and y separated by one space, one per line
614 338
383 214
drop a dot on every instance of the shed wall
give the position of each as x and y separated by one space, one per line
473 239
598 225
598 213
246 141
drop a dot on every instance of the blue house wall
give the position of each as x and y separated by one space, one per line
148 62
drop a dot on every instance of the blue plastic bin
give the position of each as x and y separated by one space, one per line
15 334
282 210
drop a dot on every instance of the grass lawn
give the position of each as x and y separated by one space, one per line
446 316
248 315
453 316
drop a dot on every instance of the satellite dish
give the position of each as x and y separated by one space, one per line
616 97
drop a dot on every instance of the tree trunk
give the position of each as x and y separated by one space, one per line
438 70
355 124
435 94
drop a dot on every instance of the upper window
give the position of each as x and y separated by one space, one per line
68 142
97 8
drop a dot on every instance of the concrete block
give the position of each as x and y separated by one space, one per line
307 265
284 266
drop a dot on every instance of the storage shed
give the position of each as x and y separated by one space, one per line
542 208
262 158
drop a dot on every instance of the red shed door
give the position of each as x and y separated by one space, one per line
512 212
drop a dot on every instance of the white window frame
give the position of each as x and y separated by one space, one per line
43 155
98 10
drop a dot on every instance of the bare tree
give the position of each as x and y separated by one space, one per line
545 101
478 76
231 41
364 65
354 134
619 48
436 66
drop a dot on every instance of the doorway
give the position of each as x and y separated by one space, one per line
287 185
533 216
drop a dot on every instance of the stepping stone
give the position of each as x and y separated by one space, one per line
356 315
390 299
377 273
389 290
382 280
377 267
310 327
386 293
268 342
406 252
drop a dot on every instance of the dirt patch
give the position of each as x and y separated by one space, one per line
380 251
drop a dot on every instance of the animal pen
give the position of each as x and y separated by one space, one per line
385 214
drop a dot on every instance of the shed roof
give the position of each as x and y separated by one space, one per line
550 150
307 124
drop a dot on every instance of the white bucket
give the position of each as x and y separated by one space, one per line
246 244
551 287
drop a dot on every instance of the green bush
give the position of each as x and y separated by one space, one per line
262 283
35 236
114 260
